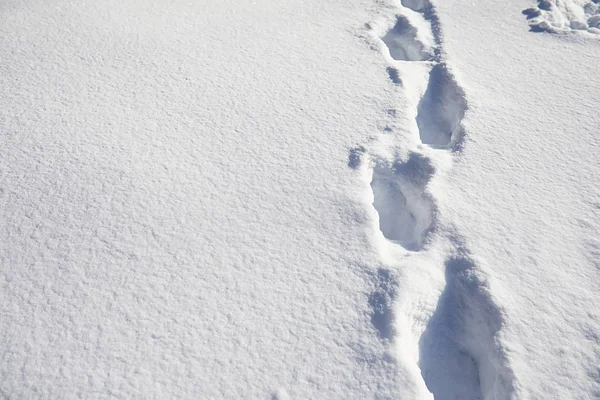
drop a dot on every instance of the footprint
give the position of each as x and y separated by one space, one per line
406 212
459 355
441 110
403 44
427 10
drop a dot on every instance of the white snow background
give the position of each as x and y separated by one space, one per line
299 200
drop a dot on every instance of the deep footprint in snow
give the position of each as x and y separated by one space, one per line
441 110
427 10
403 44
416 5
459 355
406 213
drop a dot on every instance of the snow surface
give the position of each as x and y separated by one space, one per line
342 199
525 192
565 16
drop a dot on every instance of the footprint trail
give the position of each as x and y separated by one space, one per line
405 210
431 300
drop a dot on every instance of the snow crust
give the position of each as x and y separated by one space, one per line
388 199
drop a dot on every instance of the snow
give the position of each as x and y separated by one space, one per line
565 17
179 219
526 194
342 199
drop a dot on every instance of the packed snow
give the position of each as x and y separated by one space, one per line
390 199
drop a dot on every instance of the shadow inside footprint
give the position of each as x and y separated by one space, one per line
441 110
406 212
459 357
416 5
403 44
531 13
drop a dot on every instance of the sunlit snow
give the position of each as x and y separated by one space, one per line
264 199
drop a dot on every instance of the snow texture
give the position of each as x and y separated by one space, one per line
525 191
565 16
457 350
316 200
178 219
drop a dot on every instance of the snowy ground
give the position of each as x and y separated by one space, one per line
267 199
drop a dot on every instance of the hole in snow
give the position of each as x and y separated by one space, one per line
381 302
394 75
441 109
405 211
562 17
459 357
402 42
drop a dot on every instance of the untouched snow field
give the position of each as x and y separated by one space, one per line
300 200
